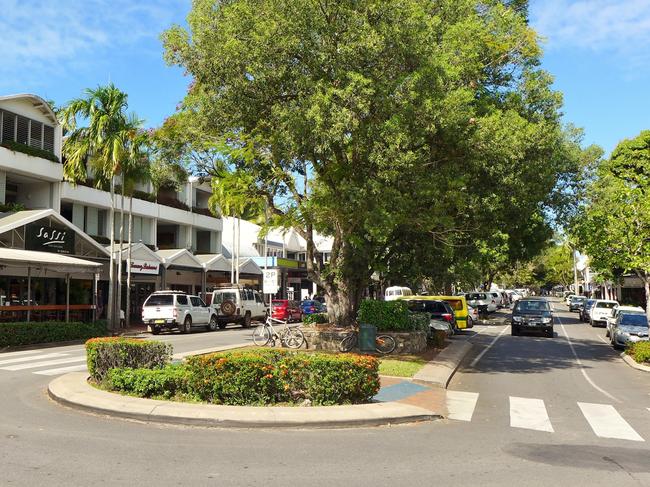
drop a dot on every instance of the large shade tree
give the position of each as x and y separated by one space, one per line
360 118
614 226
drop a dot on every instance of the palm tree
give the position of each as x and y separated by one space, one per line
135 170
100 146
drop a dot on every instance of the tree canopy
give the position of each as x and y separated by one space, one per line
398 127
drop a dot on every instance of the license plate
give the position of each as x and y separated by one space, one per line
159 321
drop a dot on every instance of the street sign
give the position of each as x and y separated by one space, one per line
270 283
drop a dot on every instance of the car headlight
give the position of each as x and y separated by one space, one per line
516 319
546 320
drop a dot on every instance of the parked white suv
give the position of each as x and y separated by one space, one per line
601 311
175 309
235 304
611 320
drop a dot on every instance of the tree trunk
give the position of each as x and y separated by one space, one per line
128 269
119 262
110 313
646 286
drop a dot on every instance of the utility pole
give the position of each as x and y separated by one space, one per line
575 273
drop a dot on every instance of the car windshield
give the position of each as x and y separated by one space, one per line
634 320
160 300
456 304
589 302
606 305
475 296
577 299
225 296
523 306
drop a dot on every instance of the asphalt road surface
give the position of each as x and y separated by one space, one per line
527 410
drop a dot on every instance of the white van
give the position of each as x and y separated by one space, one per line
396 292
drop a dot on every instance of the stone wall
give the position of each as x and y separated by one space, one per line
329 339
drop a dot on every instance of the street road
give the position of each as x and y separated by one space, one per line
528 410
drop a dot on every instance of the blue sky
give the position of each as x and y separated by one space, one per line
598 51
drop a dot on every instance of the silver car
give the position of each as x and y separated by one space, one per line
629 328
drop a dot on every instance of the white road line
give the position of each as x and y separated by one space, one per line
480 355
529 414
31 357
607 423
61 370
603 340
45 363
461 405
18 354
582 367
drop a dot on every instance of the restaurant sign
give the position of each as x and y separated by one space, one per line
145 266
49 239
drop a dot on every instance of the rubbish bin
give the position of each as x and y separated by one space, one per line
367 337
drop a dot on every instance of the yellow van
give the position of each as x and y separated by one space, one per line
457 303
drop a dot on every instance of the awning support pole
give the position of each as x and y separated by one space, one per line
67 298
95 279
29 293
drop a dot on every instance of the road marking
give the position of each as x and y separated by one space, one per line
582 367
61 370
31 357
17 354
529 414
461 405
607 423
603 340
480 355
45 363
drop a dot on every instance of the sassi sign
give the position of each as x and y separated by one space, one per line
49 239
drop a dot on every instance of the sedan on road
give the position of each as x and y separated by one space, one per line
576 303
532 314
628 329
585 311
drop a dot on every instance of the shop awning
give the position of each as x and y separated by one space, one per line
214 262
179 258
46 260
249 266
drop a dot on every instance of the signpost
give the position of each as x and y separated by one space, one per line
270 283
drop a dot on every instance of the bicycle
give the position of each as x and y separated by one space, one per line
291 336
384 344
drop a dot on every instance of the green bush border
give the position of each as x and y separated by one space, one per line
392 316
103 354
640 352
36 332
30 151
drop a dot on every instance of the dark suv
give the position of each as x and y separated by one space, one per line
530 314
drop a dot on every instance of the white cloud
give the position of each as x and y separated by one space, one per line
621 26
42 36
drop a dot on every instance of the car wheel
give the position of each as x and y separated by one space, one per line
212 326
156 330
549 332
514 331
246 323
187 325
222 325
591 322
607 332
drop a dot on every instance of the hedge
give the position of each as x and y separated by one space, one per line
29 150
315 319
33 332
640 352
392 316
104 354
258 377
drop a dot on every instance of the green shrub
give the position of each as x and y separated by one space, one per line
167 382
315 318
266 376
28 333
640 352
391 316
104 354
29 150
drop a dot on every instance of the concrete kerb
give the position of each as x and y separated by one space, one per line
439 371
73 390
632 363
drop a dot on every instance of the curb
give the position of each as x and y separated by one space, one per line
439 371
73 390
631 362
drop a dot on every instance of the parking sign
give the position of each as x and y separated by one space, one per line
270 283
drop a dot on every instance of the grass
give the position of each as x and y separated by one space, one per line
402 367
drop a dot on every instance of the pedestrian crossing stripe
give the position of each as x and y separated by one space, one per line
62 370
45 363
30 358
531 414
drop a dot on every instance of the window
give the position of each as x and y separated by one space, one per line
227 296
48 138
159 300
36 134
456 304
101 223
181 299
634 320
606 305
258 298
196 301
8 126
22 132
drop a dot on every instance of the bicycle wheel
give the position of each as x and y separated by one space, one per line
348 343
261 335
294 337
385 344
